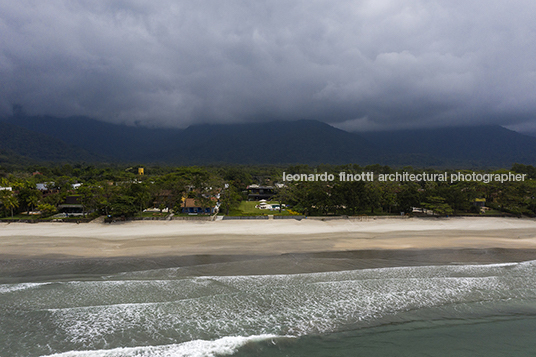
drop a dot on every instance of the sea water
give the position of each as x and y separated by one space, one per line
449 310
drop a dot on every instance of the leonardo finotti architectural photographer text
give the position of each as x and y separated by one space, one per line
406 176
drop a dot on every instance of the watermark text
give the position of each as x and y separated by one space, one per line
405 176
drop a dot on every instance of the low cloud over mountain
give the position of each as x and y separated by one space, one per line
360 65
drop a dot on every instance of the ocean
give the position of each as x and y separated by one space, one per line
457 309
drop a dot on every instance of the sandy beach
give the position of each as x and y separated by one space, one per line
260 237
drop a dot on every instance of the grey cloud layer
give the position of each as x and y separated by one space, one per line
358 64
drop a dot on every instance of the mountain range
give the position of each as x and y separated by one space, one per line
82 139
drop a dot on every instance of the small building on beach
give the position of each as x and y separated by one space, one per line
479 202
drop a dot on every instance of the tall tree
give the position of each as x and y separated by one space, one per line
10 201
229 198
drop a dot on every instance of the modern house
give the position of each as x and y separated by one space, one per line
257 193
71 206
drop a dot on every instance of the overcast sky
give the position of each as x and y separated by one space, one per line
360 65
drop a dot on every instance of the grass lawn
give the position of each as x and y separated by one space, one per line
153 214
247 208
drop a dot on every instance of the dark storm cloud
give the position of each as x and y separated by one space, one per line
357 64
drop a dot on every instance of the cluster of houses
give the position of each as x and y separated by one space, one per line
70 206
255 193
262 193
73 207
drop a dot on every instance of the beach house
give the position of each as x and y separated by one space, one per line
193 206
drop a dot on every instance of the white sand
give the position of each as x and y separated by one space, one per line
160 238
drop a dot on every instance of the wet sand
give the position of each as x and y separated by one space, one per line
45 251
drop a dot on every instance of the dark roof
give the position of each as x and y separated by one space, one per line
72 200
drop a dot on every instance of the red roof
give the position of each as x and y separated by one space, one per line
192 202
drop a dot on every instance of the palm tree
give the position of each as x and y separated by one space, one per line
33 200
10 202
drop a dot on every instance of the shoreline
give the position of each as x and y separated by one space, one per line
30 252
259 238
42 269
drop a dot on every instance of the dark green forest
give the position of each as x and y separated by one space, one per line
29 140
118 191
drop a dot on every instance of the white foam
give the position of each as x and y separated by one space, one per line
8 288
277 304
91 314
197 348
467 268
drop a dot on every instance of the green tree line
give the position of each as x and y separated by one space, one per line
121 191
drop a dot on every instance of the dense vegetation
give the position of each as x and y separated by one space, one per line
20 145
79 139
119 191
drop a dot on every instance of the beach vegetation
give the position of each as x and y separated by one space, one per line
120 192
46 209
438 206
230 199
9 201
